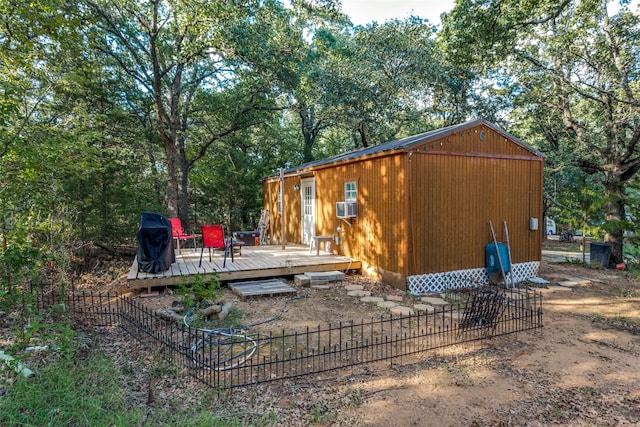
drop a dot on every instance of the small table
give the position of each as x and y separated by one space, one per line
316 240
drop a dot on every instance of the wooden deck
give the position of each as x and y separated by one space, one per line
256 262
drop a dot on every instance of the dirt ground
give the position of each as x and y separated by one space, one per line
581 369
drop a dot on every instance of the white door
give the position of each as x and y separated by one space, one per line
308 203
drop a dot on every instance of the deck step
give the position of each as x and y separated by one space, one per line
302 280
261 288
329 276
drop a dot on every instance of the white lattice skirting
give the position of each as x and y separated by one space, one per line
438 282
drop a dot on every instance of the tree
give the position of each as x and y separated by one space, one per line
206 66
34 215
390 80
312 24
576 69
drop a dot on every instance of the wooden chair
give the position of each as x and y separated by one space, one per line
178 233
213 238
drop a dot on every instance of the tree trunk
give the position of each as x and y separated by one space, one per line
230 205
615 215
310 130
172 179
363 135
166 121
183 196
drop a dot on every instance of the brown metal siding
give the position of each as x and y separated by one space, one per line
378 235
270 200
292 209
479 141
455 195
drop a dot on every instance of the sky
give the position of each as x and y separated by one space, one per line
363 12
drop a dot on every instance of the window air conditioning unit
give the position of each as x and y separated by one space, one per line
346 209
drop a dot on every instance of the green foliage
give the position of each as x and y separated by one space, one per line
575 199
571 260
632 258
234 170
69 393
23 266
104 115
78 391
383 82
219 62
197 293
53 332
66 170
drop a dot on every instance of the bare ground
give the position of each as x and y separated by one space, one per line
581 369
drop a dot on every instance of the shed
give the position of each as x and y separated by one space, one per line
416 211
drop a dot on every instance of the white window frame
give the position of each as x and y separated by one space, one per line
350 191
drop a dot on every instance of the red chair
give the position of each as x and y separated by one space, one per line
213 237
178 233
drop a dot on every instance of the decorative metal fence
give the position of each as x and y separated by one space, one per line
227 358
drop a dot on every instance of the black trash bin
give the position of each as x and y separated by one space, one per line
155 243
600 253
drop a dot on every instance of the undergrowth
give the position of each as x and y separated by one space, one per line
76 391
76 384
69 392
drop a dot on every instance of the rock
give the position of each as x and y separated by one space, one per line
225 311
374 300
423 307
167 314
434 301
359 293
211 310
574 282
538 280
401 310
559 288
387 304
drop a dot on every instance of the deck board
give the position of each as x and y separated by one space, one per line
256 262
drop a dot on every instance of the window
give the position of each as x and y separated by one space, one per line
308 200
350 191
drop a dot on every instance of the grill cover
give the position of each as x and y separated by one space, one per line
155 243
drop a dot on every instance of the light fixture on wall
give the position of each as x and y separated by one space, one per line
296 187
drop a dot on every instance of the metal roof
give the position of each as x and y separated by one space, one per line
407 143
